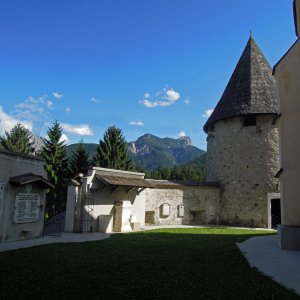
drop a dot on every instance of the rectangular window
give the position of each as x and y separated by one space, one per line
250 120
211 127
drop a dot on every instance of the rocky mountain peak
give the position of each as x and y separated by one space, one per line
186 140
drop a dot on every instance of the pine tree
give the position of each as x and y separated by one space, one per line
112 151
17 140
56 166
79 161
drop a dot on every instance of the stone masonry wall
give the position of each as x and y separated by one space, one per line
244 160
201 205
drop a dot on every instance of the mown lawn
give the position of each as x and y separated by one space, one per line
184 263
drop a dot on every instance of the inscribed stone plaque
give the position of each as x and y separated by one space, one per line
165 210
27 208
180 208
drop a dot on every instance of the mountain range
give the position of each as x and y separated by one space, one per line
150 152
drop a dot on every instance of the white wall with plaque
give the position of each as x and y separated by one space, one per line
27 208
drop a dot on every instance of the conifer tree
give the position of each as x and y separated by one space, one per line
79 161
112 151
17 140
56 166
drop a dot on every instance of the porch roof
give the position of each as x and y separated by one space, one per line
30 178
124 181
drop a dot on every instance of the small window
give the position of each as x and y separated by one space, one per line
211 127
250 120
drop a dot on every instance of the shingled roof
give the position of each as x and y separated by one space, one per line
250 90
30 178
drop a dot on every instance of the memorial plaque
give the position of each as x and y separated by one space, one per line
165 210
180 208
27 208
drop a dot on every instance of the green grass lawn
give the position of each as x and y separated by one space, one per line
189 263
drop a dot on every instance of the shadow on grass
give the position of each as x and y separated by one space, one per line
158 264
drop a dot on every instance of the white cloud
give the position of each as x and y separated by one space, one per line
151 104
136 123
207 113
164 97
57 95
147 103
83 129
68 109
172 95
93 99
64 138
49 104
181 134
7 122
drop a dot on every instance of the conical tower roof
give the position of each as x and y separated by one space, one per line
250 90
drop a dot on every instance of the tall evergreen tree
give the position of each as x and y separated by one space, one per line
112 151
79 161
19 139
56 166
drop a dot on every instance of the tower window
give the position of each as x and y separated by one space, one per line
250 120
211 127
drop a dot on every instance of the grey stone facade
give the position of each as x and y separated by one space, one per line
244 160
200 205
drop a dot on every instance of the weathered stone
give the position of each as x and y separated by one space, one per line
250 158
200 205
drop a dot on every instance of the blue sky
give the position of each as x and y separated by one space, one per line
154 66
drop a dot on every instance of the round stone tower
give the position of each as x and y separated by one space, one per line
242 142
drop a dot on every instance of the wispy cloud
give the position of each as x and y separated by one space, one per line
187 101
35 111
207 113
30 107
164 97
49 104
95 100
57 95
68 109
82 129
7 122
136 123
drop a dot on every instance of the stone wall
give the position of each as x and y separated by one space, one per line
244 160
187 205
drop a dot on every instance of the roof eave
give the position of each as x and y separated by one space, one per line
207 124
36 179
